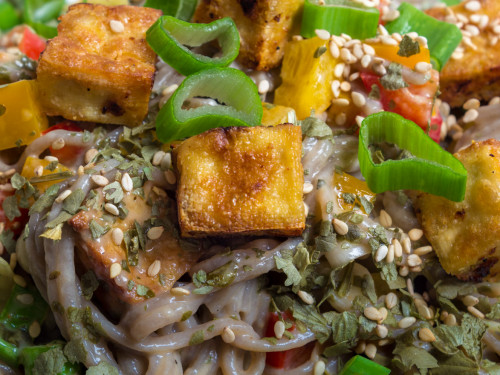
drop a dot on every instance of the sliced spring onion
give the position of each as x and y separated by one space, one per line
442 37
169 37
181 9
432 169
233 88
39 14
359 365
8 16
339 16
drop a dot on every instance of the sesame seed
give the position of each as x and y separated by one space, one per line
365 61
308 187
495 100
99 180
341 102
127 183
19 280
470 300
381 331
158 157
179 292
306 209
470 115
472 103
13 261
409 286
385 219
406 245
415 234
457 55
424 310
478 314
279 329
319 368
398 250
423 67
81 170
391 15
345 36
117 236
1 248
473 30
170 177
416 269
65 194
34 329
390 254
51 158
115 270
472 6
358 51
38 171
407 322
155 233
154 268
322 34
371 350
297 38
305 297
338 70
360 348
347 71
340 227
423 250
334 49
372 313
382 30
354 76
496 29
25 299
116 26
379 69
264 86
58 144
338 40
383 314
450 320
345 86
404 271
346 55
426 335
391 300
90 154
228 335
112 209
358 99
381 253
169 90
443 316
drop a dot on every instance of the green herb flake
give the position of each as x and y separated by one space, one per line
103 368
97 230
52 166
130 285
374 92
186 315
349 198
409 356
393 80
203 290
344 327
113 192
144 291
319 51
315 128
50 362
7 240
285 263
72 203
313 320
366 204
89 284
408 47
10 207
197 338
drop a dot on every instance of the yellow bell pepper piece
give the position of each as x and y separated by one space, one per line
23 119
306 79
274 114
390 53
32 165
345 183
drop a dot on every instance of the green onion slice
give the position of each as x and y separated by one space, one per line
8 16
40 14
432 169
442 37
339 16
233 88
181 9
359 365
170 39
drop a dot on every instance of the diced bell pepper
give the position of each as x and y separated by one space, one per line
390 53
31 164
345 183
275 114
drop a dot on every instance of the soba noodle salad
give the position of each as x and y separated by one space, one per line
249 187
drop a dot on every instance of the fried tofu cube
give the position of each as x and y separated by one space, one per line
172 258
479 77
241 181
99 68
265 26
466 235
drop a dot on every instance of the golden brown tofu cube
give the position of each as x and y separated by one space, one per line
477 73
265 26
99 68
466 235
100 254
241 180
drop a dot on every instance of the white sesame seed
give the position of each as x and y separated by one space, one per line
379 69
372 313
306 209
422 250
305 297
424 310
346 55
470 115
58 144
345 36
496 29
385 219
322 34
398 250
154 268
25 299
391 15
264 86
334 49
494 101
38 171
308 187
473 30
34 329
179 292
422 67
340 227
391 300
359 120
416 269
117 236
81 170
358 51
169 90
365 61
158 157
390 254
382 30
381 331
341 119
99 180
383 314
484 21
127 183
371 350
115 270
228 335
358 99
409 286
478 314
155 233
338 70
470 300
426 335
116 26
341 102
297 38
360 348
457 55
354 76
13 261
406 245
279 329
345 86
112 209
65 194
319 368
404 271
90 154
170 177
407 322
381 253
472 6
450 320
388 40
166 162
19 280
472 103
415 234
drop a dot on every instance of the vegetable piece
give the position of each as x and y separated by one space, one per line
9 353
442 37
229 86
276 114
307 74
430 168
31 44
8 16
390 53
17 224
339 16
359 365
67 153
52 174
22 120
29 355
351 191
180 9
170 39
